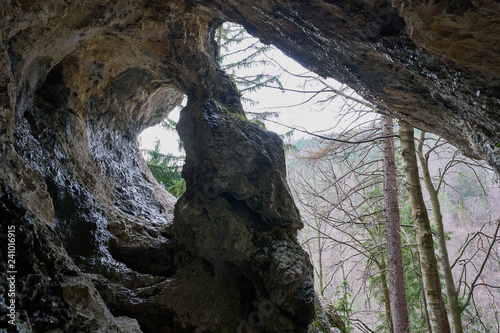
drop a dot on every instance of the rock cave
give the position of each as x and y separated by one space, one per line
101 247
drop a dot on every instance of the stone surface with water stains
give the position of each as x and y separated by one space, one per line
99 246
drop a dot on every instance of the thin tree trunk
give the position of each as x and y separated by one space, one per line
444 262
399 307
426 308
320 261
428 262
386 293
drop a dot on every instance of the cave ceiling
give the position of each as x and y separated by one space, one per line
433 64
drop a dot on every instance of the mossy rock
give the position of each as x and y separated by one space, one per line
326 319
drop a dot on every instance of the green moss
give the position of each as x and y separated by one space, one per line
258 123
320 326
234 112
234 86
238 115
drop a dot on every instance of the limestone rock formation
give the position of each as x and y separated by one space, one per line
100 246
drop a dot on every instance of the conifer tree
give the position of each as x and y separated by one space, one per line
166 168
398 302
243 58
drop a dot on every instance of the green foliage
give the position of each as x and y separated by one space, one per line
258 123
244 58
343 294
464 193
166 168
470 187
178 188
413 281
239 53
375 284
414 291
171 125
445 201
288 146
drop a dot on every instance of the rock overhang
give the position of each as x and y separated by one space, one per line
433 66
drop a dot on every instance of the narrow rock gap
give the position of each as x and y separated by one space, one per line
163 151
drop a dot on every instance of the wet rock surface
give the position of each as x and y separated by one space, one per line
236 226
52 293
101 246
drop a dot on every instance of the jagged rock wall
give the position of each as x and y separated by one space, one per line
76 97
52 294
99 248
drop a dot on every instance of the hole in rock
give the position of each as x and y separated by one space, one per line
335 169
164 153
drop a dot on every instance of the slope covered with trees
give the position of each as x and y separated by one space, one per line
340 195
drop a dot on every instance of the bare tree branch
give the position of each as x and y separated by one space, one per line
478 275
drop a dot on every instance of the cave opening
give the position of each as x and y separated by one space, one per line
163 152
276 92
101 248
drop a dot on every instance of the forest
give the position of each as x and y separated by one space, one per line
402 228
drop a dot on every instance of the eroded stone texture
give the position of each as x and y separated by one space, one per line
236 225
80 80
52 294
77 95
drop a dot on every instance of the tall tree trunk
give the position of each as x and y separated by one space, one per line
428 261
399 308
444 262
